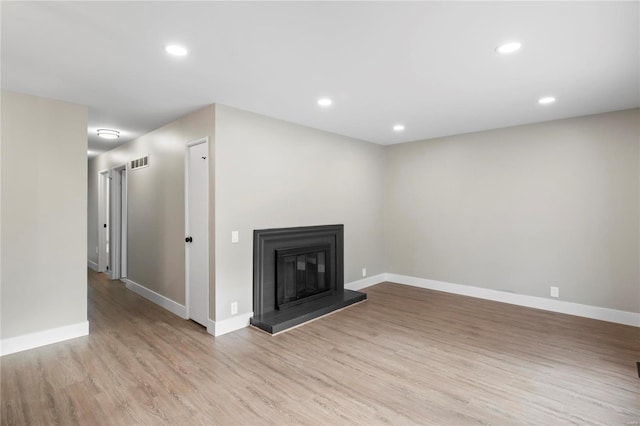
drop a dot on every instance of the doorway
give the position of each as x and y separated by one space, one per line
197 230
112 222
117 223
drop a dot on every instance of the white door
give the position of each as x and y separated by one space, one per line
197 231
103 221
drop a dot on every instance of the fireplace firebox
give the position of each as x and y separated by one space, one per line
301 274
298 276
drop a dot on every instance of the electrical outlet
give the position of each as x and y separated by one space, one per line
235 236
364 272
96 249
234 308
555 291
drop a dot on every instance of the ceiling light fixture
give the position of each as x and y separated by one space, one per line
175 50
324 102
108 133
546 100
510 47
398 128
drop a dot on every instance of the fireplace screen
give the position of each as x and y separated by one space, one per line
302 274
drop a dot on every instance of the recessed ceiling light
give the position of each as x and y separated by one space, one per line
324 102
510 47
108 133
398 128
175 50
546 100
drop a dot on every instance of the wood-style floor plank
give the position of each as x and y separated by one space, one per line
406 356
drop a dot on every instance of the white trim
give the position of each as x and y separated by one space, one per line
116 214
92 265
186 231
41 338
230 324
197 141
366 282
187 282
124 224
560 306
211 327
158 299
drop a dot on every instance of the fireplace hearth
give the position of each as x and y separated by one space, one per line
298 276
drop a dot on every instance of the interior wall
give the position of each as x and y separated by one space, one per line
522 209
156 247
274 174
43 214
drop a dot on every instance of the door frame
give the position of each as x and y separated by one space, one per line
187 283
118 222
124 232
103 193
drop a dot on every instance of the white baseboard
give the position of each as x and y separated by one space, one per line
218 328
92 265
42 338
366 282
560 306
158 299
211 327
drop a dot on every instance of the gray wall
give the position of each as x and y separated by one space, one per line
43 214
515 209
273 174
521 209
156 253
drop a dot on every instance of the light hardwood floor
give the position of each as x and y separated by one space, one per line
405 356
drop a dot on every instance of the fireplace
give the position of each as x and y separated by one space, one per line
298 276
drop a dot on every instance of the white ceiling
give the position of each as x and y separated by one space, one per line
429 65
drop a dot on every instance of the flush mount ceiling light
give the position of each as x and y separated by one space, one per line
176 50
324 102
546 100
510 47
108 133
398 128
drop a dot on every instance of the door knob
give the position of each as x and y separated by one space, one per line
189 240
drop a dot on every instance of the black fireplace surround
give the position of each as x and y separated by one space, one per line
298 275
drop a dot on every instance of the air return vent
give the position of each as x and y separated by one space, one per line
139 163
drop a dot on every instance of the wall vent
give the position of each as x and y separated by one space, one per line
140 163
